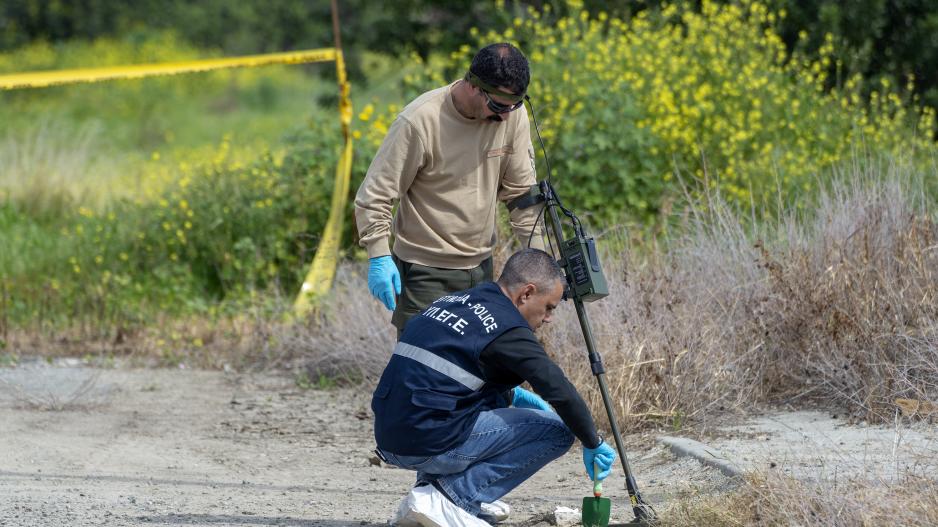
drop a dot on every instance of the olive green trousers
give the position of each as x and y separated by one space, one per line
421 285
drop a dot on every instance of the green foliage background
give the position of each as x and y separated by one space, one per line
200 217
873 38
709 93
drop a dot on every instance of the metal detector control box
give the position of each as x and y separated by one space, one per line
585 274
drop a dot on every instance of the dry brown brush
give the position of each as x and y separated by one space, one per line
349 338
775 499
778 500
837 302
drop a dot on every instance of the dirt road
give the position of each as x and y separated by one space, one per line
81 446
181 447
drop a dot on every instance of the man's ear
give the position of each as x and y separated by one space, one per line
526 292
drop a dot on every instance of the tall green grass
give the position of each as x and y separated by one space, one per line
129 197
85 144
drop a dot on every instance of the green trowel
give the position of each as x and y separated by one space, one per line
596 509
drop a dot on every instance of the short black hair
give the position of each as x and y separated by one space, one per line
531 266
502 65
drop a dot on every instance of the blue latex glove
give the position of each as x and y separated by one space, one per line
525 399
383 280
603 456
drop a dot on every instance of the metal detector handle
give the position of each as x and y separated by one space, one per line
641 510
597 366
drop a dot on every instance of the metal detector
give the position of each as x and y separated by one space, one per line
585 283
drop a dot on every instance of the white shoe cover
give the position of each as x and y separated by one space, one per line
427 507
497 510
401 518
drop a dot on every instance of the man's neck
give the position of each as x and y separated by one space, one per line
507 293
459 93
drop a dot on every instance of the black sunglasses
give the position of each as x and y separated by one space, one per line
498 107
487 90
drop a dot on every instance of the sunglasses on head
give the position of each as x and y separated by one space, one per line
516 100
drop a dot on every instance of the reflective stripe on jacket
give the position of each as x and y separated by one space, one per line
433 388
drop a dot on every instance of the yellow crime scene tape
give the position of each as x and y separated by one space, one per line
43 79
322 271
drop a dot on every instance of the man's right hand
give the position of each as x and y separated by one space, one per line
603 456
384 281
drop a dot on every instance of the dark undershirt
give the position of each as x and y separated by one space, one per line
517 356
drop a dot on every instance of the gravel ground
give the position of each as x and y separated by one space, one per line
825 446
84 446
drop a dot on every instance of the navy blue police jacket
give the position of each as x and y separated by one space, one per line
433 388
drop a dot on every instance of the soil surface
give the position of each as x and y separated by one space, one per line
84 446
811 445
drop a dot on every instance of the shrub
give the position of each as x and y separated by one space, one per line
103 223
625 103
828 304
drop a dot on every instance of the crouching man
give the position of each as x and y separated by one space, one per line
448 404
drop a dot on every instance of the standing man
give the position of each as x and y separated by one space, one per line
449 156
442 404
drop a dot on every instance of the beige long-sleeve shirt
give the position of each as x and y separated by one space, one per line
448 172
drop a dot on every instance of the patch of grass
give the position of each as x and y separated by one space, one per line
7 360
48 399
321 382
348 339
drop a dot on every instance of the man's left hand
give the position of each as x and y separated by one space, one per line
525 399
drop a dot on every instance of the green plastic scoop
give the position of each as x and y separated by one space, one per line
596 509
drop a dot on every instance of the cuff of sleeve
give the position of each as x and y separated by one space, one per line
599 441
508 396
378 248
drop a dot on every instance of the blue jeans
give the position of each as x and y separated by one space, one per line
506 447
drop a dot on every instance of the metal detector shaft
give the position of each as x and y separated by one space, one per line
596 364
